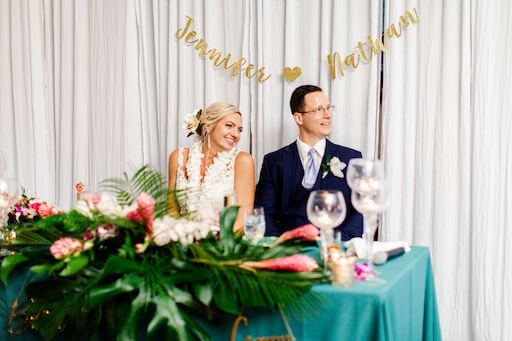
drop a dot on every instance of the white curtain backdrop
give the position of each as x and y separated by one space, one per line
448 156
91 88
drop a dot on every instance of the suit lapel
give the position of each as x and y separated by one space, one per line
329 151
292 170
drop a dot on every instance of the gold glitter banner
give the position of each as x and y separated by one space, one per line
381 43
215 56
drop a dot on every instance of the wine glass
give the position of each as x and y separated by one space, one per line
254 224
8 196
326 210
369 196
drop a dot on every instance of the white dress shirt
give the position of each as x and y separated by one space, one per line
304 148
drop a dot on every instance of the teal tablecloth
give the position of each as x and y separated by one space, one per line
400 307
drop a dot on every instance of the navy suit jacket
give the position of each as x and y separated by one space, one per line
280 191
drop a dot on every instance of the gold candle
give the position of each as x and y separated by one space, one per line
230 200
343 271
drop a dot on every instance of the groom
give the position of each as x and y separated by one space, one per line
291 173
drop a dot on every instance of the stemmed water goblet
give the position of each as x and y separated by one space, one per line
326 210
367 180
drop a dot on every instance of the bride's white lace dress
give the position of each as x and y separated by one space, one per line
204 195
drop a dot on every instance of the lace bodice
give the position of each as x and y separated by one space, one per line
204 194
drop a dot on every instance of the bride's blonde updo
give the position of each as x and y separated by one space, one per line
212 115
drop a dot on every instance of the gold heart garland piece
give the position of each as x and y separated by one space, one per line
291 74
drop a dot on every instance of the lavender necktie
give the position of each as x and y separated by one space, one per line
311 171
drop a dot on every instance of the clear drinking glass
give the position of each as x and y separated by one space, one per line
326 210
254 224
8 196
369 196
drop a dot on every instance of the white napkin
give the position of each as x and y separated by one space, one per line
358 245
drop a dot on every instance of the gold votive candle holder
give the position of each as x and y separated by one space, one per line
343 271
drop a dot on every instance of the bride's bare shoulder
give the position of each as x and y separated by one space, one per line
244 160
173 157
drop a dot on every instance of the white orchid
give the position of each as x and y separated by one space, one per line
335 165
168 229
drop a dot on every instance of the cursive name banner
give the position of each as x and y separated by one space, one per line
377 45
217 57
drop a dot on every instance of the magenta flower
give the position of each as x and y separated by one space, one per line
295 263
361 270
65 248
305 232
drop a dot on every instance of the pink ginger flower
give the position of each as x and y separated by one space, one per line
146 205
65 248
144 212
295 263
134 216
305 232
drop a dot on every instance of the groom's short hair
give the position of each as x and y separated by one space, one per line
297 99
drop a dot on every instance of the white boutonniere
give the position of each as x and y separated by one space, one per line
334 165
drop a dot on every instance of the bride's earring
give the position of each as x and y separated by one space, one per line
209 143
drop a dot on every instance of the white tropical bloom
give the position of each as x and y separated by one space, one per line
191 122
83 208
336 166
108 205
168 229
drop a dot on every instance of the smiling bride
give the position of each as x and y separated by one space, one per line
212 167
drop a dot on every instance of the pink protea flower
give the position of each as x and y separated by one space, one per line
66 247
306 232
295 263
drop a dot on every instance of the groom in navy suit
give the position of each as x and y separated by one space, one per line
291 173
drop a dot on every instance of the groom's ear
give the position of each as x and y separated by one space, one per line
298 118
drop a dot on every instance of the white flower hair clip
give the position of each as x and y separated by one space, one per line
192 122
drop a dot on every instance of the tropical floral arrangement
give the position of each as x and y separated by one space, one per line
30 209
118 263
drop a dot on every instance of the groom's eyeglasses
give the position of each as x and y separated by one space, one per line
320 110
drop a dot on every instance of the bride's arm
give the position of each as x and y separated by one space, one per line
172 204
244 186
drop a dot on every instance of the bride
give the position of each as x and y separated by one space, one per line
212 168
